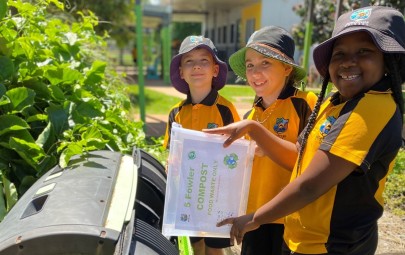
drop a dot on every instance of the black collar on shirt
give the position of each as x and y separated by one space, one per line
287 92
382 86
209 100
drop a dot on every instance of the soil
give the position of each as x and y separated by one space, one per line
391 231
391 236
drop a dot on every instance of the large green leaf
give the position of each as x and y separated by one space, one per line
3 9
57 3
57 93
3 90
29 151
44 136
3 209
58 117
20 98
63 75
85 112
10 192
96 73
71 150
21 134
93 139
9 123
6 68
40 88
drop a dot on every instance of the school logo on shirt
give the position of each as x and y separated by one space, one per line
281 125
327 125
212 125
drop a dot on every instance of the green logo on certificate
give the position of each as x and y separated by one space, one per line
231 161
191 155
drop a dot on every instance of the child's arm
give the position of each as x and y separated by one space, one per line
279 150
324 172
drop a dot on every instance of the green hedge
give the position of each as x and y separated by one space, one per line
58 97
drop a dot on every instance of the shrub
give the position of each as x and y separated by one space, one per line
58 97
394 193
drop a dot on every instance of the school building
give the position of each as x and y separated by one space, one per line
229 23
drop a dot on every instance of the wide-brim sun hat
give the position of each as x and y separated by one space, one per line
385 25
273 42
190 43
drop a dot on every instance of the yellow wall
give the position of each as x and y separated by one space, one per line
253 11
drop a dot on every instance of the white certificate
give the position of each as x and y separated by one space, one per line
206 183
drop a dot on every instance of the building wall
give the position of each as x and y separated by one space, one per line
280 13
222 28
230 28
251 21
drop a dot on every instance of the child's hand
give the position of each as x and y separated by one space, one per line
258 151
240 225
235 131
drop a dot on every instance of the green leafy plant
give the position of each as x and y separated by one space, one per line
58 97
394 193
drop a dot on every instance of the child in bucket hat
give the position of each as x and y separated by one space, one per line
273 42
348 147
268 66
197 72
189 44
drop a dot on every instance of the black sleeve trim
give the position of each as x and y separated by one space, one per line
226 114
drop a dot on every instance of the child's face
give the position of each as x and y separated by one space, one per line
265 75
198 67
356 64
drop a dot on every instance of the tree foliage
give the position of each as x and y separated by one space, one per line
116 17
324 17
58 97
183 29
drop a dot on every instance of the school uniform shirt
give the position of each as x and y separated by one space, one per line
366 131
213 111
286 118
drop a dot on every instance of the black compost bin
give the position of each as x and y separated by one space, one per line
103 202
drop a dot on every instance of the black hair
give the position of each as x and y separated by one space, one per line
311 120
395 64
292 79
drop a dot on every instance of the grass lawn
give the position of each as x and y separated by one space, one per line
159 103
155 102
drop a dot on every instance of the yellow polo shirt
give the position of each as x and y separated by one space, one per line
366 131
285 118
214 111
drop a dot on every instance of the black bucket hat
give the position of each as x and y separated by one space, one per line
384 24
273 42
190 43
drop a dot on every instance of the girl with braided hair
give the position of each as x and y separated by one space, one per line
347 149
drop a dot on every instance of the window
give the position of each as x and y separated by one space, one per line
224 33
213 35
250 28
232 38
